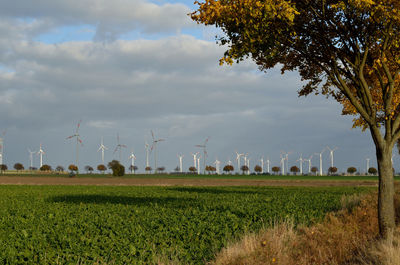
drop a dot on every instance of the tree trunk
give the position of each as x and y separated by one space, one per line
386 213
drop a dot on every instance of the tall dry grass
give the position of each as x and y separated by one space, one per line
345 237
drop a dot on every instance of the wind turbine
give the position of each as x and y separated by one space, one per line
41 153
195 159
154 146
238 160
248 166
320 161
301 163
245 160
204 146
198 163
217 163
367 164
31 153
262 164
119 147
147 147
78 140
283 164
331 153
309 164
2 146
267 161
102 148
180 162
133 157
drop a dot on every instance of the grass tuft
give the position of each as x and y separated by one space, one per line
348 236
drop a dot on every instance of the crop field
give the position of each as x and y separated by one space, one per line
145 225
204 176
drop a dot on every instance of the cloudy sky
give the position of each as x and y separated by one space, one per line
130 66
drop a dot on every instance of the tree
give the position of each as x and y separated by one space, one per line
209 169
45 168
228 169
117 169
314 170
73 168
102 168
294 169
332 170
372 171
3 168
88 169
59 168
351 170
345 49
148 169
18 166
192 169
276 170
244 169
133 168
160 169
258 169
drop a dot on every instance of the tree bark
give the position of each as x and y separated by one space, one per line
386 213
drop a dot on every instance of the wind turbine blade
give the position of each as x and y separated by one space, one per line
69 137
124 146
152 135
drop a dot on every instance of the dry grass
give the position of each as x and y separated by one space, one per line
346 237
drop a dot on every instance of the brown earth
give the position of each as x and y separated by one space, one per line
175 182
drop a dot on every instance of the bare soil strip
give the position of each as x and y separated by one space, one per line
17 180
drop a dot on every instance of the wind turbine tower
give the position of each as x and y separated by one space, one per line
3 134
31 153
320 161
204 146
41 153
331 153
267 161
283 164
198 163
147 147
78 141
102 148
367 165
119 147
309 164
195 159
154 146
180 162
238 158
301 163
132 157
262 164
217 163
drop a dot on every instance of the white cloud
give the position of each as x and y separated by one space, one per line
111 18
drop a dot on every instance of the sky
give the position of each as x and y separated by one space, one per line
127 67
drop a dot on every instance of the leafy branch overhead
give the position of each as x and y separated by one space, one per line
349 50
346 49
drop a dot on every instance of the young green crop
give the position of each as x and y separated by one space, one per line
144 225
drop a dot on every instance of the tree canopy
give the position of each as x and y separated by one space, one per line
345 49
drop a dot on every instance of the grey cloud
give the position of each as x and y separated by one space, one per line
111 18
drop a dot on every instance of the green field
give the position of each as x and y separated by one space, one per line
206 176
143 225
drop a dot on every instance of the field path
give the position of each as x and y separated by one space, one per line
17 180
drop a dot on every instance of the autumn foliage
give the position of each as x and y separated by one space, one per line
349 50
